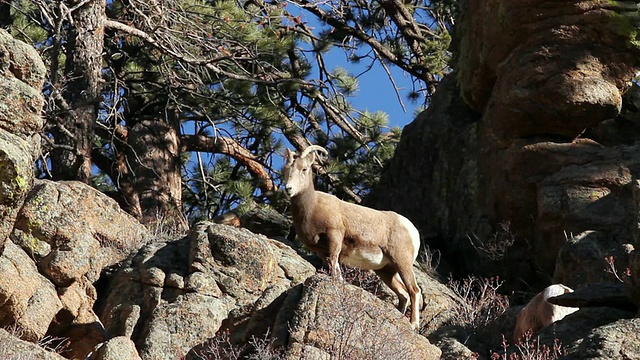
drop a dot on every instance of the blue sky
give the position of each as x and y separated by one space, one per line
375 89
376 92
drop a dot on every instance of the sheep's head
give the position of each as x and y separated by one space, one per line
298 169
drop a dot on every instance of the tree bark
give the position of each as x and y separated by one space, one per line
233 149
152 186
74 133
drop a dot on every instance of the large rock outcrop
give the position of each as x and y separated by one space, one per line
176 298
546 92
534 133
21 78
173 296
336 320
64 236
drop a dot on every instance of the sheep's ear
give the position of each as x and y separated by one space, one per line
289 156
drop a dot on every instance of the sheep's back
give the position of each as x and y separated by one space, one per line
362 223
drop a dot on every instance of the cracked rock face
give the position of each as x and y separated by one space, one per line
23 74
75 231
64 235
559 71
16 177
21 78
172 297
27 299
537 129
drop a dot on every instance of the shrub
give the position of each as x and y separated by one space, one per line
221 347
529 349
494 247
481 302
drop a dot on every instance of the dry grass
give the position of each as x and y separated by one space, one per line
165 227
26 350
529 349
428 259
222 348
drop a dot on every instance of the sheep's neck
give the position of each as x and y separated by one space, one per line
302 205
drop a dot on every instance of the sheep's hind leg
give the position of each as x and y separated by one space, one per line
409 279
390 277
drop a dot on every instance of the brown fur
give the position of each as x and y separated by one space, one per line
540 313
230 219
339 232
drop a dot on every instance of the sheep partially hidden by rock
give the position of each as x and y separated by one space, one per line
354 235
540 313
230 218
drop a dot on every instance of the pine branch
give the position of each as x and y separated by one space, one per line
411 28
207 63
230 147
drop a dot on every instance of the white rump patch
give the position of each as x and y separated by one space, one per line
540 313
413 233
368 259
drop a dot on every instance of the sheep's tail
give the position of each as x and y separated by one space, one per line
413 233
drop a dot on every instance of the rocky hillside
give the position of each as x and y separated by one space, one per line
81 278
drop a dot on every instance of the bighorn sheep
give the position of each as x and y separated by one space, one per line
539 313
354 235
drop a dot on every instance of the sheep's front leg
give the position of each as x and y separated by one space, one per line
334 238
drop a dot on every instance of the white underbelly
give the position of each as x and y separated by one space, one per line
368 259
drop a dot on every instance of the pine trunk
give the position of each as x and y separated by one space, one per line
71 159
153 186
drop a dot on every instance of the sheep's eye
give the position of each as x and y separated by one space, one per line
305 169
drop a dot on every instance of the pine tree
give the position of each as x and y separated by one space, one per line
198 99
